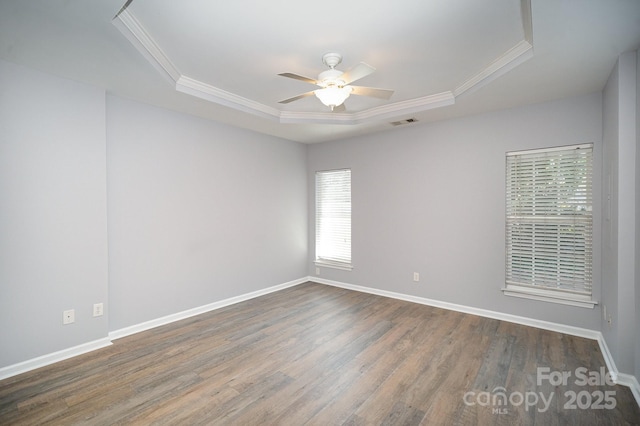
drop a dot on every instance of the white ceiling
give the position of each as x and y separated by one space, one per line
220 60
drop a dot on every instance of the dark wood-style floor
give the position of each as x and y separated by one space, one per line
314 354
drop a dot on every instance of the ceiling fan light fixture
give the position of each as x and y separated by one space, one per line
335 85
333 96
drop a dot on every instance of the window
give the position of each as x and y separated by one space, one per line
333 218
550 225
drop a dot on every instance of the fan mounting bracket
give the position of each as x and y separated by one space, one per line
331 59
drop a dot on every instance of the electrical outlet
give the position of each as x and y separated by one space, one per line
416 276
98 309
317 271
69 316
606 316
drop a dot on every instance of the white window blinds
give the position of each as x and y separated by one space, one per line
549 224
333 218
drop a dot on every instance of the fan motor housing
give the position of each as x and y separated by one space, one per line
331 77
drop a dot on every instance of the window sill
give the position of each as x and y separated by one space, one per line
334 265
549 296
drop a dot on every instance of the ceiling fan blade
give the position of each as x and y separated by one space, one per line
357 72
339 108
295 98
299 77
372 92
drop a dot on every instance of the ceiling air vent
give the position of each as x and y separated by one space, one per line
401 122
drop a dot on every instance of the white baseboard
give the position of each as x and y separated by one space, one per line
44 360
32 364
608 358
551 326
632 383
127 331
620 378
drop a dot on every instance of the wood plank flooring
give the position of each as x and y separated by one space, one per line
319 355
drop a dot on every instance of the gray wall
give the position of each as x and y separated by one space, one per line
637 271
53 213
430 199
148 211
198 212
620 234
609 302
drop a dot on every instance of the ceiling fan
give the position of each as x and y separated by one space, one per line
335 85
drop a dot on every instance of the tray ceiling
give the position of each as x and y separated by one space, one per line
443 59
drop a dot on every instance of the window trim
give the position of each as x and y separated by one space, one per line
334 265
576 297
547 295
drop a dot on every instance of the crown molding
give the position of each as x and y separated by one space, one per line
527 21
500 66
210 93
295 117
378 113
409 106
133 30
